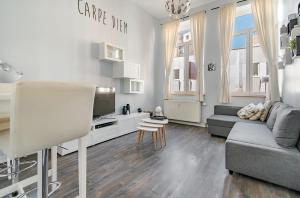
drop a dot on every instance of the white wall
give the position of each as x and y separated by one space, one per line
212 55
50 40
291 79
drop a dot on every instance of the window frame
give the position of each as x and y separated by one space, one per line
249 64
186 57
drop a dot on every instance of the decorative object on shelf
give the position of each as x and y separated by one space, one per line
295 32
293 46
297 46
280 65
8 74
178 8
140 110
284 41
128 108
292 24
158 111
211 67
283 29
292 16
287 57
124 110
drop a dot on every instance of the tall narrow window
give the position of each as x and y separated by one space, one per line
248 68
184 70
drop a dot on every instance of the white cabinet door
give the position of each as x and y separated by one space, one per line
126 70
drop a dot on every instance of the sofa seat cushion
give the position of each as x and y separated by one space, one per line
251 133
227 121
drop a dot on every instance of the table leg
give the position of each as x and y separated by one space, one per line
155 139
138 136
160 133
164 133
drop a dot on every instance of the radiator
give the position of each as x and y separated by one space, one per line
188 111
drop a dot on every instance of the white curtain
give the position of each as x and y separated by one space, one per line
265 16
226 24
198 31
170 38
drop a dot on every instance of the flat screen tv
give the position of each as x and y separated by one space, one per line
104 103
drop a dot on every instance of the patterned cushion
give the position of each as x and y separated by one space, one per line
260 109
247 111
267 107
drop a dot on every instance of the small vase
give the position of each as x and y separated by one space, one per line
284 41
295 31
288 57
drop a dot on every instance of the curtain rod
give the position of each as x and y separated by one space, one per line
188 16
241 1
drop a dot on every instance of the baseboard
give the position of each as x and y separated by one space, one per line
204 125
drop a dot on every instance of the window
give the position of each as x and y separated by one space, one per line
184 71
248 68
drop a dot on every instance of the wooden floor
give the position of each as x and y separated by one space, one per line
191 166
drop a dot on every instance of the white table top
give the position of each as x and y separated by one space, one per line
149 120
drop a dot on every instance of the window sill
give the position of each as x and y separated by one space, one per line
248 96
183 93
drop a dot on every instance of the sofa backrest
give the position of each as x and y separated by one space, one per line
226 110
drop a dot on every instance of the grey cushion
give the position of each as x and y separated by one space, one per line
226 110
222 120
287 127
258 134
278 106
219 130
227 121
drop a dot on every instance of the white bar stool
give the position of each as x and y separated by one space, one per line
45 114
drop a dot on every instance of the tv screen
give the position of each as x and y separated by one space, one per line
104 102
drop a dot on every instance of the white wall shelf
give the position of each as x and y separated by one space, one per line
126 70
109 52
133 86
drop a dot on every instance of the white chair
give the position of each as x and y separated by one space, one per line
46 114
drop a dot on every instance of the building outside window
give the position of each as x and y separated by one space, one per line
248 68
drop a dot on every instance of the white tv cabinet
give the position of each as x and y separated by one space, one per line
122 125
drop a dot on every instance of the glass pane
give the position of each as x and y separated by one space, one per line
244 22
260 76
177 75
238 68
180 51
192 70
239 42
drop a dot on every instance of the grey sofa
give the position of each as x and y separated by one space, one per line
251 149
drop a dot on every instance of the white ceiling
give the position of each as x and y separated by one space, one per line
157 7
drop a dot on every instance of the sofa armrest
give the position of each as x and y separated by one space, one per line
226 110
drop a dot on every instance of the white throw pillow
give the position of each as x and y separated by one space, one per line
247 111
267 107
260 109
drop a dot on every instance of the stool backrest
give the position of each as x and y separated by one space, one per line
46 114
